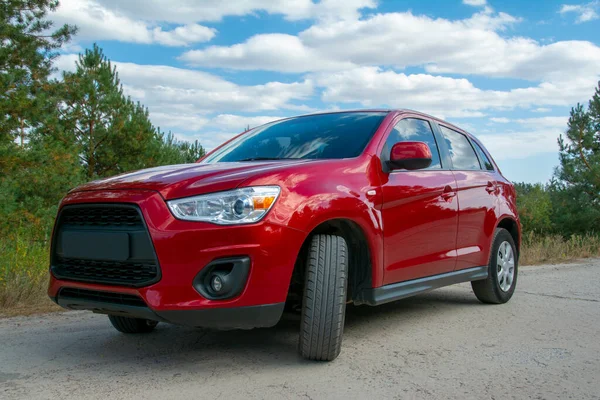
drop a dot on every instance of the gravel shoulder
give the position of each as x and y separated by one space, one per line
443 344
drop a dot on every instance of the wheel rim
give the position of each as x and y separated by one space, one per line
506 266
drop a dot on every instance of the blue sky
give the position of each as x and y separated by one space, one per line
507 71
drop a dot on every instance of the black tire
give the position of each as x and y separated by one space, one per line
132 325
489 290
324 298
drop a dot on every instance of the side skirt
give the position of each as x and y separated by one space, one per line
397 291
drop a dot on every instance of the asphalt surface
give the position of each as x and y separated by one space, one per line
543 344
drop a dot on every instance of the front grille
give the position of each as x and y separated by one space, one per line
102 297
102 216
102 228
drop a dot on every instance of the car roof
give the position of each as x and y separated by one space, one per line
396 111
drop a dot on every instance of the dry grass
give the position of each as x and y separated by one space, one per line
23 275
24 267
555 249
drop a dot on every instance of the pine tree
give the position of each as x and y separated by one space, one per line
580 152
576 188
173 151
28 47
113 134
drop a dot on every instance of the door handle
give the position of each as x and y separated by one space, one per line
448 193
491 188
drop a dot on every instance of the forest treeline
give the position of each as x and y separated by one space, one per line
60 129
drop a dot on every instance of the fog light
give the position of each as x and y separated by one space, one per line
216 283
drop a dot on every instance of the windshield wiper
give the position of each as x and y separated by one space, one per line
267 159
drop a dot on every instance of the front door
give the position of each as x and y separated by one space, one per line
420 211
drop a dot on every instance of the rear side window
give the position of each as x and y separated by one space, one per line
414 130
461 151
487 164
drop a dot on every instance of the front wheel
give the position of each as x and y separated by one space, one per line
500 284
324 298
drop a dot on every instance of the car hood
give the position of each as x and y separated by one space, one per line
175 181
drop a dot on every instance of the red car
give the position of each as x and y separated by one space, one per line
307 213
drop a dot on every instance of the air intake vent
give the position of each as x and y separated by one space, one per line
102 297
102 216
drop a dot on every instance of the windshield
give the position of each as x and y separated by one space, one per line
335 135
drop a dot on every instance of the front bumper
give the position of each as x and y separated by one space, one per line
260 316
183 249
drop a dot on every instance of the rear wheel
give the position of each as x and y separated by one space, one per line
502 271
132 325
324 298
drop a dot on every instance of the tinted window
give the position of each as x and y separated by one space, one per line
336 135
463 155
414 130
483 157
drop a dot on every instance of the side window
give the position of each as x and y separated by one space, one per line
461 151
483 157
414 130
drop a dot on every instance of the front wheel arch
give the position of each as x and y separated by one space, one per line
360 262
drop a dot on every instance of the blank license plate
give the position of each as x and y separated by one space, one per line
111 246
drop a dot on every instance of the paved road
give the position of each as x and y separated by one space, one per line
545 343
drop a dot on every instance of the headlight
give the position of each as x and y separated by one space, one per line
240 206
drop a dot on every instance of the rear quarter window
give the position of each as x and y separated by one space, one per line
462 153
485 160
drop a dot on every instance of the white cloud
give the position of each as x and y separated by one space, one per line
97 22
541 110
190 11
239 123
221 128
522 144
440 95
185 99
275 52
476 3
441 46
541 137
556 123
183 35
500 120
585 12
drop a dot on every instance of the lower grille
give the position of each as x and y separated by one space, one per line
102 297
131 273
104 243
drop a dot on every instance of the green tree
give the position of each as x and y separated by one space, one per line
575 191
112 133
175 151
573 211
36 179
535 207
28 46
580 150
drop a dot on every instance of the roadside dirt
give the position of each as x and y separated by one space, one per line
443 344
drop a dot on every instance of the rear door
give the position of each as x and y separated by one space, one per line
419 211
477 197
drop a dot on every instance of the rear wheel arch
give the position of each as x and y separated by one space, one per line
512 226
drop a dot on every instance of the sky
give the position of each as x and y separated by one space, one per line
506 71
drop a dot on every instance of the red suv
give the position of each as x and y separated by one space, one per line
306 214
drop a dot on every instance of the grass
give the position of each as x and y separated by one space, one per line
554 249
23 276
24 266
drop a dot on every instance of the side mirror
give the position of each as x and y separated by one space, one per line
410 156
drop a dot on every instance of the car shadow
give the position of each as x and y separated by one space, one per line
171 347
